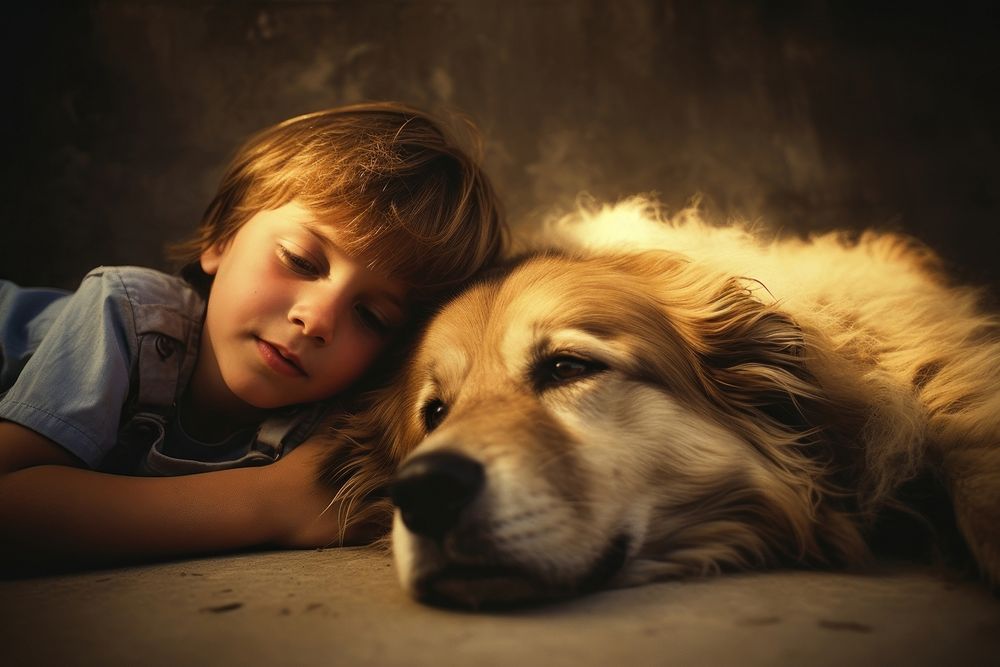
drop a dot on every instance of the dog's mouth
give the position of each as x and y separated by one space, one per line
479 586
608 565
495 586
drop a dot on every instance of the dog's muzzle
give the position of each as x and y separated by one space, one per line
439 497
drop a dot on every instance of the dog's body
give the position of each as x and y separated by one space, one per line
663 399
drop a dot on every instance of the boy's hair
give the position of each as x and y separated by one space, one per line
410 203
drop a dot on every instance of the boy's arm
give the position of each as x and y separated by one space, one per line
52 510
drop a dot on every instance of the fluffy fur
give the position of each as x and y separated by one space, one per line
658 398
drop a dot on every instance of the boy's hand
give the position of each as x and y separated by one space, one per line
307 517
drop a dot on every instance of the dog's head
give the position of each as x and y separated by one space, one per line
576 422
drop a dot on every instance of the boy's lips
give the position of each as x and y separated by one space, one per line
280 359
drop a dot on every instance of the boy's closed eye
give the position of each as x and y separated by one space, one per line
297 262
373 320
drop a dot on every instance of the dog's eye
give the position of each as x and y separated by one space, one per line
434 412
563 369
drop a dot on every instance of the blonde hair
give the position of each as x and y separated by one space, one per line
409 202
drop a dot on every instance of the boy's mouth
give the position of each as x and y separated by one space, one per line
280 359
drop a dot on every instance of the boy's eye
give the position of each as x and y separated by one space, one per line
297 263
372 320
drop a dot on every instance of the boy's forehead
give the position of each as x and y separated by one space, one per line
326 232
330 229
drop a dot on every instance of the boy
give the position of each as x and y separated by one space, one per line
331 235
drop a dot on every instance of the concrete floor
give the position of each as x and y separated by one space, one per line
343 607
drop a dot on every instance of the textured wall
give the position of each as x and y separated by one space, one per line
808 114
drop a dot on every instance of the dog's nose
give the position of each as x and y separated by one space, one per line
433 489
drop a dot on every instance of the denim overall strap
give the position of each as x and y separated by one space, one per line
282 432
164 369
167 352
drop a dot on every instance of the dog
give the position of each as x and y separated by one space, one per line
645 398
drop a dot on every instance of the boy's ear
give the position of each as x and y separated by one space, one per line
211 257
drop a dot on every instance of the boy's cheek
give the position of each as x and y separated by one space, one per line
343 369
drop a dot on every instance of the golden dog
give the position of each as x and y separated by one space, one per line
658 399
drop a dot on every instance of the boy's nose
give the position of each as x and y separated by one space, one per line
313 326
318 314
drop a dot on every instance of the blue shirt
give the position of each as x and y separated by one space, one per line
99 372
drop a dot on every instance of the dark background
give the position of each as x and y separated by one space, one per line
809 115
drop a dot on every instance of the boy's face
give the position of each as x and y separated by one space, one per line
291 317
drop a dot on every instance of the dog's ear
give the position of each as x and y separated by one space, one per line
746 357
757 365
754 364
754 359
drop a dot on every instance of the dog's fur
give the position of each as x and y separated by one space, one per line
668 398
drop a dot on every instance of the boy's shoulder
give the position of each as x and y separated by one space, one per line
152 296
147 288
